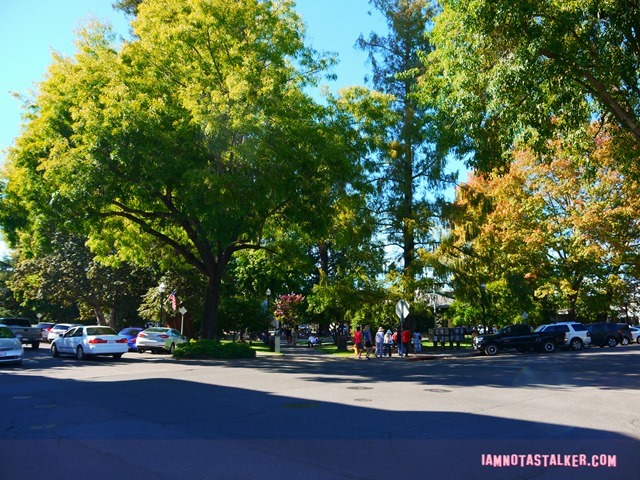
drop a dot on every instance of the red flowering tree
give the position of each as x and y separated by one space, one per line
289 309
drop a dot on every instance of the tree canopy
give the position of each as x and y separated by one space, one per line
186 140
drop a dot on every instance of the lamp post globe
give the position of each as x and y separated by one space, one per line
162 288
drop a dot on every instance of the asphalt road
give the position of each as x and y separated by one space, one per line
310 416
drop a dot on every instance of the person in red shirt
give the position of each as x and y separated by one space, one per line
406 341
357 342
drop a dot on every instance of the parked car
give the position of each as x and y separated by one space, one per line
609 334
87 341
159 339
59 329
44 330
131 334
576 335
24 331
518 337
635 334
11 351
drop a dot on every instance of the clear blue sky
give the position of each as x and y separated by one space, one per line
31 29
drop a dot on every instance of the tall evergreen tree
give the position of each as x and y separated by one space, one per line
410 171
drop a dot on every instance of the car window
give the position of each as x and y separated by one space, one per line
578 327
69 332
100 331
7 333
77 332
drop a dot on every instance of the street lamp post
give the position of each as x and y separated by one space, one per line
276 332
161 288
482 290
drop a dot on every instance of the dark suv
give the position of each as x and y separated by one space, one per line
609 333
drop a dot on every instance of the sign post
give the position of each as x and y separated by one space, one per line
402 310
182 312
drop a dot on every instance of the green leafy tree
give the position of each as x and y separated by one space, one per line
503 69
189 140
69 276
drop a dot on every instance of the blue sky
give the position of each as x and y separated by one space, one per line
31 29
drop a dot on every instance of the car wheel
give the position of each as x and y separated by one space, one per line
54 351
576 344
625 341
638 339
612 341
172 348
35 345
117 356
140 350
80 355
548 347
491 349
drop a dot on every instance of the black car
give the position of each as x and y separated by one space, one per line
609 333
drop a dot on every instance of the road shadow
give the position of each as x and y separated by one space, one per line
170 429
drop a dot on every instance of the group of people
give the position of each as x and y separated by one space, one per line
383 342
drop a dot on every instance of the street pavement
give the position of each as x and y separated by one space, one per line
308 415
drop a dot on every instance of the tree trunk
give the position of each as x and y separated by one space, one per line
211 304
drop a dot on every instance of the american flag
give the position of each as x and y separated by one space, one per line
173 299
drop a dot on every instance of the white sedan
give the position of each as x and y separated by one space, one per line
86 341
635 333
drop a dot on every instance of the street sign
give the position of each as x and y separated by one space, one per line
182 310
402 309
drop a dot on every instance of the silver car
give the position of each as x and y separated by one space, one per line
11 351
159 339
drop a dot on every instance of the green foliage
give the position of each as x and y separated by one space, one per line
198 349
191 140
502 70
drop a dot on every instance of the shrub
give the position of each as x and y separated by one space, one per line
213 349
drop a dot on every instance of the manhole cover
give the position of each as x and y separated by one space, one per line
42 427
360 388
299 405
362 400
437 390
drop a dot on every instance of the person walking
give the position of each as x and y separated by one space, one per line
417 341
406 341
388 343
368 342
379 342
357 342
397 340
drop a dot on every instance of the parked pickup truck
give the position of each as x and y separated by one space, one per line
23 329
518 337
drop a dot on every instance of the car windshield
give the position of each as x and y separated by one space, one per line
7 333
100 331
156 330
540 328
